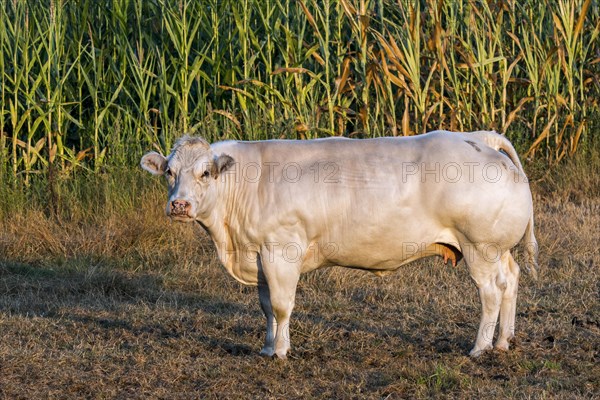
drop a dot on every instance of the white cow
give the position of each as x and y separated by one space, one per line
279 208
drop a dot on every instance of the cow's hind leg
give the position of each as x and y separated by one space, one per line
508 307
486 270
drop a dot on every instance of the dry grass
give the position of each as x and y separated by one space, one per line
127 305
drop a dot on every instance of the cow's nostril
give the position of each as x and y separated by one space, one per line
179 206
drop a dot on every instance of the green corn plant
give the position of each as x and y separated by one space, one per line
358 18
142 65
14 39
181 23
573 57
3 82
320 23
491 66
93 76
405 55
120 76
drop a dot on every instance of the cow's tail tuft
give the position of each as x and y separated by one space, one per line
501 143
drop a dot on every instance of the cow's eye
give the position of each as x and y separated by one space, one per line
168 173
205 174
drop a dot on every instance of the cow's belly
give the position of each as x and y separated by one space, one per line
384 246
380 249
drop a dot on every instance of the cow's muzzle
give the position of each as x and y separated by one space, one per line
180 208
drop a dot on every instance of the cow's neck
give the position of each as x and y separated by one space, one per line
218 222
214 225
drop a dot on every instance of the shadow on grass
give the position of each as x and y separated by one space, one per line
102 299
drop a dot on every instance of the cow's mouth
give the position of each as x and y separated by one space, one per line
179 210
182 217
179 214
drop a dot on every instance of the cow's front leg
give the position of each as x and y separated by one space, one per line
282 276
265 303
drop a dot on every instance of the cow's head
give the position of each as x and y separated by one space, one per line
191 171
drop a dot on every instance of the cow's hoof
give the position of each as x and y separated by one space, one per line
267 352
476 352
502 345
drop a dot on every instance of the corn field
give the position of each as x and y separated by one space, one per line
86 83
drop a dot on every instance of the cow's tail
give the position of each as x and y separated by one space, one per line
501 143
531 248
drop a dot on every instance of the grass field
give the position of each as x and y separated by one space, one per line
108 299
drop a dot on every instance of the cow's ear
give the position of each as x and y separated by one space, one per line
154 163
221 164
